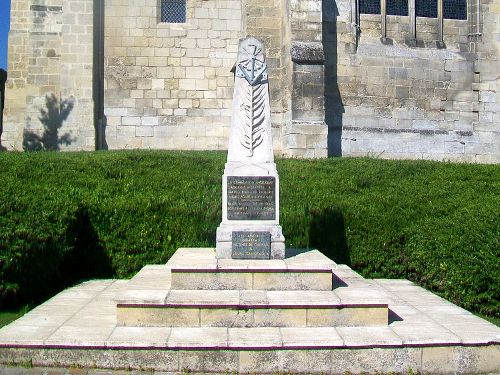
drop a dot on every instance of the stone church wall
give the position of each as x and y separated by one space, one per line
422 102
333 91
48 102
167 85
306 133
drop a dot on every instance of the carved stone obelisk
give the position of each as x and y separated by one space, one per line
250 185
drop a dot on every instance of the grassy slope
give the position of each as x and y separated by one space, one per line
435 223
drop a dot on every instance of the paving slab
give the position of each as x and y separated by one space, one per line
199 269
255 337
204 297
428 333
207 337
204 260
247 308
139 295
81 335
476 333
321 337
303 298
346 274
369 296
310 259
140 337
368 337
150 277
193 258
16 334
40 319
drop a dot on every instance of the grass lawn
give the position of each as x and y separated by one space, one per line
9 316
65 217
491 319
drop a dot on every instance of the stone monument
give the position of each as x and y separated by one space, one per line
250 185
228 310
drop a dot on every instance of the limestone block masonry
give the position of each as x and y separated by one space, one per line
49 93
169 85
393 100
337 89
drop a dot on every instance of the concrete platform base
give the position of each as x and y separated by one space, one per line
79 328
294 292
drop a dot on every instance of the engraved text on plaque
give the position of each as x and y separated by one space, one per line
251 245
251 198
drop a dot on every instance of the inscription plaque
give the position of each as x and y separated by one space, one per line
251 198
251 245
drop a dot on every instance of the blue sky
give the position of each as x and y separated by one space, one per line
4 30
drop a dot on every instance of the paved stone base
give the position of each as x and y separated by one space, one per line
225 238
440 360
209 292
193 269
78 328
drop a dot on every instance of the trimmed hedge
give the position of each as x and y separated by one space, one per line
65 217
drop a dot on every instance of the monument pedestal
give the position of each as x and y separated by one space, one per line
250 213
250 241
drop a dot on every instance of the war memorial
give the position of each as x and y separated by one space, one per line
250 305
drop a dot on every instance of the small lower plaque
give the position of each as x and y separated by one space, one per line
251 245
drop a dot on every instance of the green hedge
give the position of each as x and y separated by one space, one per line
70 216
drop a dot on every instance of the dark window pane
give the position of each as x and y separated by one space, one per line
173 11
455 9
397 7
369 6
426 8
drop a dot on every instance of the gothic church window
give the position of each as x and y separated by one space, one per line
455 9
173 11
426 8
369 6
394 7
397 7
452 9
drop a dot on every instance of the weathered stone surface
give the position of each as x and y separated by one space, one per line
169 86
307 52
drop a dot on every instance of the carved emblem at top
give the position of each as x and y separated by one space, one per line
253 67
250 136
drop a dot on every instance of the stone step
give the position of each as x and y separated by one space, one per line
252 350
78 328
253 308
199 269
